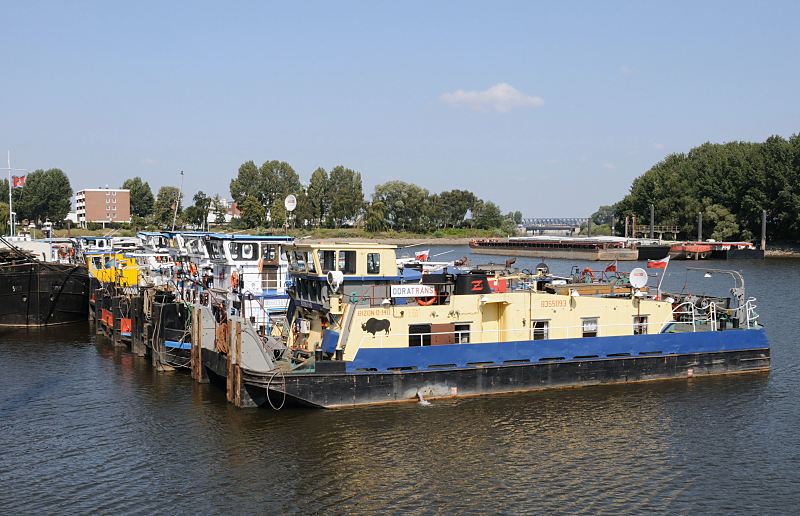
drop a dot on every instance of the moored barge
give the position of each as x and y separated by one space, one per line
360 333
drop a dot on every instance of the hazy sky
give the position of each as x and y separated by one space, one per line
550 108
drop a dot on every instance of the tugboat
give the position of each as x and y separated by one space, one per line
35 292
362 332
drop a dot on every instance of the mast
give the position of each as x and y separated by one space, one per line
10 188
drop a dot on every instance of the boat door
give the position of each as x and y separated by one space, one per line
270 266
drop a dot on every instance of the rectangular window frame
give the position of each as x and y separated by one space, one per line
641 324
540 329
589 334
373 263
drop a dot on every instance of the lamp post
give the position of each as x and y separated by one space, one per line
177 200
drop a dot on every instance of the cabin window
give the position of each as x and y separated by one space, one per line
269 253
214 249
640 325
419 335
347 262
298 261
97 262
327 260
373 263
242 251
541 330
589 327
462 333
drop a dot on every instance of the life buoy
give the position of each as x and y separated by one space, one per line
193 268
234 280
587 272
426 301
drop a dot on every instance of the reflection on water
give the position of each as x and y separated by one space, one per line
89 427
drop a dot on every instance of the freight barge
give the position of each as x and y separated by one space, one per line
360 333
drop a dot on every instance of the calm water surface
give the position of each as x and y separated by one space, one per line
86 427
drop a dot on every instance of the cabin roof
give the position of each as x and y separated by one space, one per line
251 238
343 245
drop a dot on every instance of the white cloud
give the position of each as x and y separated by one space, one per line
609 166
659 146
149 162
501 97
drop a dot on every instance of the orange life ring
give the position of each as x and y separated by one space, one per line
423 301
587 272
234 280
193 268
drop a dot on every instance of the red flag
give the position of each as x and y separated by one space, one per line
658 264
611 267
18 181
422 256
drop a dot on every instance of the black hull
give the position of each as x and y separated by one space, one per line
738 254
43 294
348 389
653 252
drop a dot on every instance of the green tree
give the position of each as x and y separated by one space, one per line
318 197
4 216
487 215
164 206
253 213
376 217
456 203
219 211
141 196
277 214
47 195
603 215
402 201
272 180
345 194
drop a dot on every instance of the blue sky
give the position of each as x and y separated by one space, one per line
550 108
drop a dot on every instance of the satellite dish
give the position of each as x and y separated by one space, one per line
543 268
335 279
290 202
638 277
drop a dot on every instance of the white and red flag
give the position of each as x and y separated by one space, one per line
422 256
17 181
611 267
658 264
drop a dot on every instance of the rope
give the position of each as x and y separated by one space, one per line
269 383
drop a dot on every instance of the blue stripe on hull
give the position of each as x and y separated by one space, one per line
469 355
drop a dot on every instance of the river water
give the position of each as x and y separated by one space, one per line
87 427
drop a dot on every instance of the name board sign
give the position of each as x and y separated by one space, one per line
413 291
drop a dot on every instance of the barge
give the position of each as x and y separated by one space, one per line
360 333
573 248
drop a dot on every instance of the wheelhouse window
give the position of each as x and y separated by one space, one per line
589 327
373 263
541 330
327 260
297 261
347 262
97 262
461 333
214 249
640 325
242 251
419 335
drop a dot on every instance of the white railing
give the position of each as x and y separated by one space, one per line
495 334
750 311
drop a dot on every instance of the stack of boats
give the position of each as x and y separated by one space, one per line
337 324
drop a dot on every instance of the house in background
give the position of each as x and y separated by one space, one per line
231 212
103 205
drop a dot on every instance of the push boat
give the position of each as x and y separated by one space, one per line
361 332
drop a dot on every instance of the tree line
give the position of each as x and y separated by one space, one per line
729 183
330 199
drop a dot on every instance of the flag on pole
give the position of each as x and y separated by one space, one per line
17 181
658 264
422 256
611 267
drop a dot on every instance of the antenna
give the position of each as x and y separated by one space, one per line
177 200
